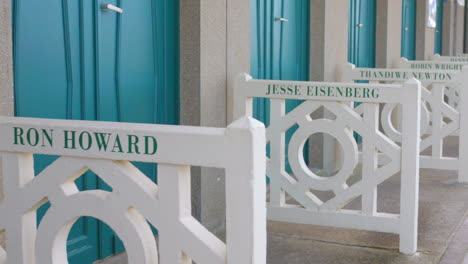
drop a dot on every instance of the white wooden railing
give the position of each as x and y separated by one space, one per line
304 186
134 199
437 57
451 93
440 118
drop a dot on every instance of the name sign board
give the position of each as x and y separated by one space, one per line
320 91
459 59
436 66
392 75
106 140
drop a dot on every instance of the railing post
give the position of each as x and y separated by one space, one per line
463 133
246 193
410 168
20 226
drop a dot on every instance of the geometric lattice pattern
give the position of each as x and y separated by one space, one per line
441 110
135 201
300 195
300 183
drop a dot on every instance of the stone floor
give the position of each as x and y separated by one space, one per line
443 231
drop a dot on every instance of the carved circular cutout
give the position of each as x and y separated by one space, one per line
389 128
323 167
131 227
300 168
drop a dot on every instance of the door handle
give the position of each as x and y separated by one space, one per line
112 7
406 29
360 25
281 19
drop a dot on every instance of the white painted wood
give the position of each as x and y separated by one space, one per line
441 116
370 158
437 57
431 65
2 256
409 198
463 131
134 200
301 183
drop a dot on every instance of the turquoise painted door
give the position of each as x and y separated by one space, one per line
439 27
280 49
74 60
361 38
361 50
408 29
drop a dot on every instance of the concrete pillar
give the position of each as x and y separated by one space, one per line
6 73
459 28
425 37
328 38
328 53
465 29
448 28
388 33
214 47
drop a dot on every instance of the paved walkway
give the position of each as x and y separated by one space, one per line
443 215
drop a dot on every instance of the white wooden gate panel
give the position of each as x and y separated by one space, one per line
451 93
134 200
301 183
442 116
437 57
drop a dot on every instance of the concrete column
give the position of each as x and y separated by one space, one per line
328 53
448 28
328 38
6 73
459 28
425 37
214 47
465 29
388 33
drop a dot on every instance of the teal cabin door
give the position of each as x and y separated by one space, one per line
280 45
439 26
408 29
361 38
76 60
361 50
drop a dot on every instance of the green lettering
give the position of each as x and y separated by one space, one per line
349 92
366 93
46 136
132 144
339 91
29 137
18 138
147 145
81 140
375 93
72 139
117 144
102 141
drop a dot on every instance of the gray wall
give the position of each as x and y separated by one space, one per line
424 35
448 28
6 72
329 52
459 29
388 33
215 46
